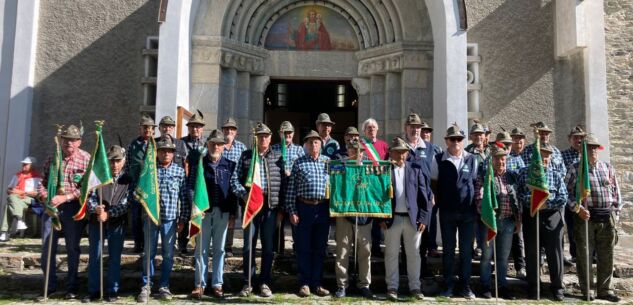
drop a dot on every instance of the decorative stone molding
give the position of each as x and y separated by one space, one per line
228 54
395 62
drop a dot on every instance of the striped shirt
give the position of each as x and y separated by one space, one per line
235 152
73 167
308 179
556 185
605 192
173 187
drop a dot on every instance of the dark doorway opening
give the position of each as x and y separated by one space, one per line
301 101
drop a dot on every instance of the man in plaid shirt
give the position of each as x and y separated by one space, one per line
293 152
233 150
545 133
514 162
571 156
508 222
74 164
308 207
598 212
551 226
172 188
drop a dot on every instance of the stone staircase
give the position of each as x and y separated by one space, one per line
20 271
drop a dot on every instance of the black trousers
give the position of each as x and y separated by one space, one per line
518 251
551 236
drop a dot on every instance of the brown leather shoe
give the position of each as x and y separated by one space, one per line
320 291
217 292
197 293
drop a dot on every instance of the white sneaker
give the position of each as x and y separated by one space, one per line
4 236
22 225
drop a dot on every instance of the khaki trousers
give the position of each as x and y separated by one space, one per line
344 242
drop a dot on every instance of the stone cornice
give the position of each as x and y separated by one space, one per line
228 54
395 57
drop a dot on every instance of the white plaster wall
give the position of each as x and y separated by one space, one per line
450 102
18 122
7 35
174 58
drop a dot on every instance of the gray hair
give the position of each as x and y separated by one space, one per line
367 122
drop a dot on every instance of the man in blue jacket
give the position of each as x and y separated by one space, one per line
453 173
411 209
222 205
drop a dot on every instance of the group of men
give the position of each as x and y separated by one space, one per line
426 181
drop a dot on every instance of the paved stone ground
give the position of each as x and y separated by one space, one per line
21 280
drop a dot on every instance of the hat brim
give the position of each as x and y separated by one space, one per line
326 122
216 140
454 136
71 137
305 139
545 129
199 123
167 123
399 148
116 157
263 133
166 148
518 135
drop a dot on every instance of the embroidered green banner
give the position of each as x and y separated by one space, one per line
360 190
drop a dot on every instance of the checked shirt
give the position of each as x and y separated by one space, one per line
172 187
605 192
556 185
308 179
74 167
235 152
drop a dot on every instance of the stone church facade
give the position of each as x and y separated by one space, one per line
508 63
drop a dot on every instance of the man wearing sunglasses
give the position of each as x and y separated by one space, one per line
453 173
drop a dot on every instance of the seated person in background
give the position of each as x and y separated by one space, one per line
22 190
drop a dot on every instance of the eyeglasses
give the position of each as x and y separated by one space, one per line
455 139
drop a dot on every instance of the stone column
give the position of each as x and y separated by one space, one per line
228 82
258 86
377 102
242 100
393 106
416 95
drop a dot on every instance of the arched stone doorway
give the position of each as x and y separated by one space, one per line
394 68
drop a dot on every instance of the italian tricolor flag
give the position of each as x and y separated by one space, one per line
97 175
255 200
371 151
200 201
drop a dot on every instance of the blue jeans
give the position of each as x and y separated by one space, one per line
115 234
312 235
503 241
214 227
72 236
167 231
263 225
450 223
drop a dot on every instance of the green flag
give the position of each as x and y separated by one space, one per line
583 188
97 175
55 178
489 203
537 180
200 200
360 190
146 191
